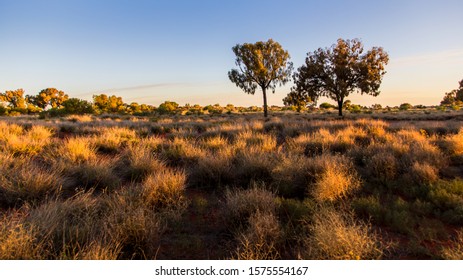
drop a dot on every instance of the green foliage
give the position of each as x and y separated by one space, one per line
454 97
140 109
299 101
15 99
3 110
447 197
48 97
355 108
337 71
405 106
77 106
168 107
263 64
326 106
376 107
108 104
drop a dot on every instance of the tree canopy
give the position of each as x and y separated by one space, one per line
14 98
48 97
454 97
262 64
108 104
337 71
298 100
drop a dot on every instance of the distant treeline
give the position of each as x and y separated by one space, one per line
51 102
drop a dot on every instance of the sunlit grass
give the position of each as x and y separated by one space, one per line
118 187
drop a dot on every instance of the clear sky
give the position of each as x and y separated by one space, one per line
152 51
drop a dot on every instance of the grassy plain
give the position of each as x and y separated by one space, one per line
293 186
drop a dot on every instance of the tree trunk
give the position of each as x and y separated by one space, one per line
340 103
264 92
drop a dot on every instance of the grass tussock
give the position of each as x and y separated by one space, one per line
77 150
18 141
241 204
339 236
111 140
18 241
24 180
261 239
455 250
335 178
138 161
165 188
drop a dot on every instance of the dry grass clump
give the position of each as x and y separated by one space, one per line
137 161
23 179
79 118
214 170
261 239
346 138
241 204
335 178
181 151
111 139
18 141
453 144
215 143
382 164
97 173
417 146
132 226
101 250
291 175
250 164
77 150
316 143
66 226
335 235
17 240
455 250
423 173
257 141
165 189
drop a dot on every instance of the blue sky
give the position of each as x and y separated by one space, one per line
151 51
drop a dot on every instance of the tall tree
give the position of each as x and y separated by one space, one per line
48 96
455 97
263 64
14 98
340 70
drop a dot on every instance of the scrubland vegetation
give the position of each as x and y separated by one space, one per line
233 186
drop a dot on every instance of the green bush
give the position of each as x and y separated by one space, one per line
168 107
405 106
77 106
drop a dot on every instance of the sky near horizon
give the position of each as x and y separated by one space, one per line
152 51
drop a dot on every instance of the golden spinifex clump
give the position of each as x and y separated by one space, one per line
337 235
263 64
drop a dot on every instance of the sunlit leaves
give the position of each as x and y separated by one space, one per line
455 97
263 64
111 104
48 97
337 71
15 98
